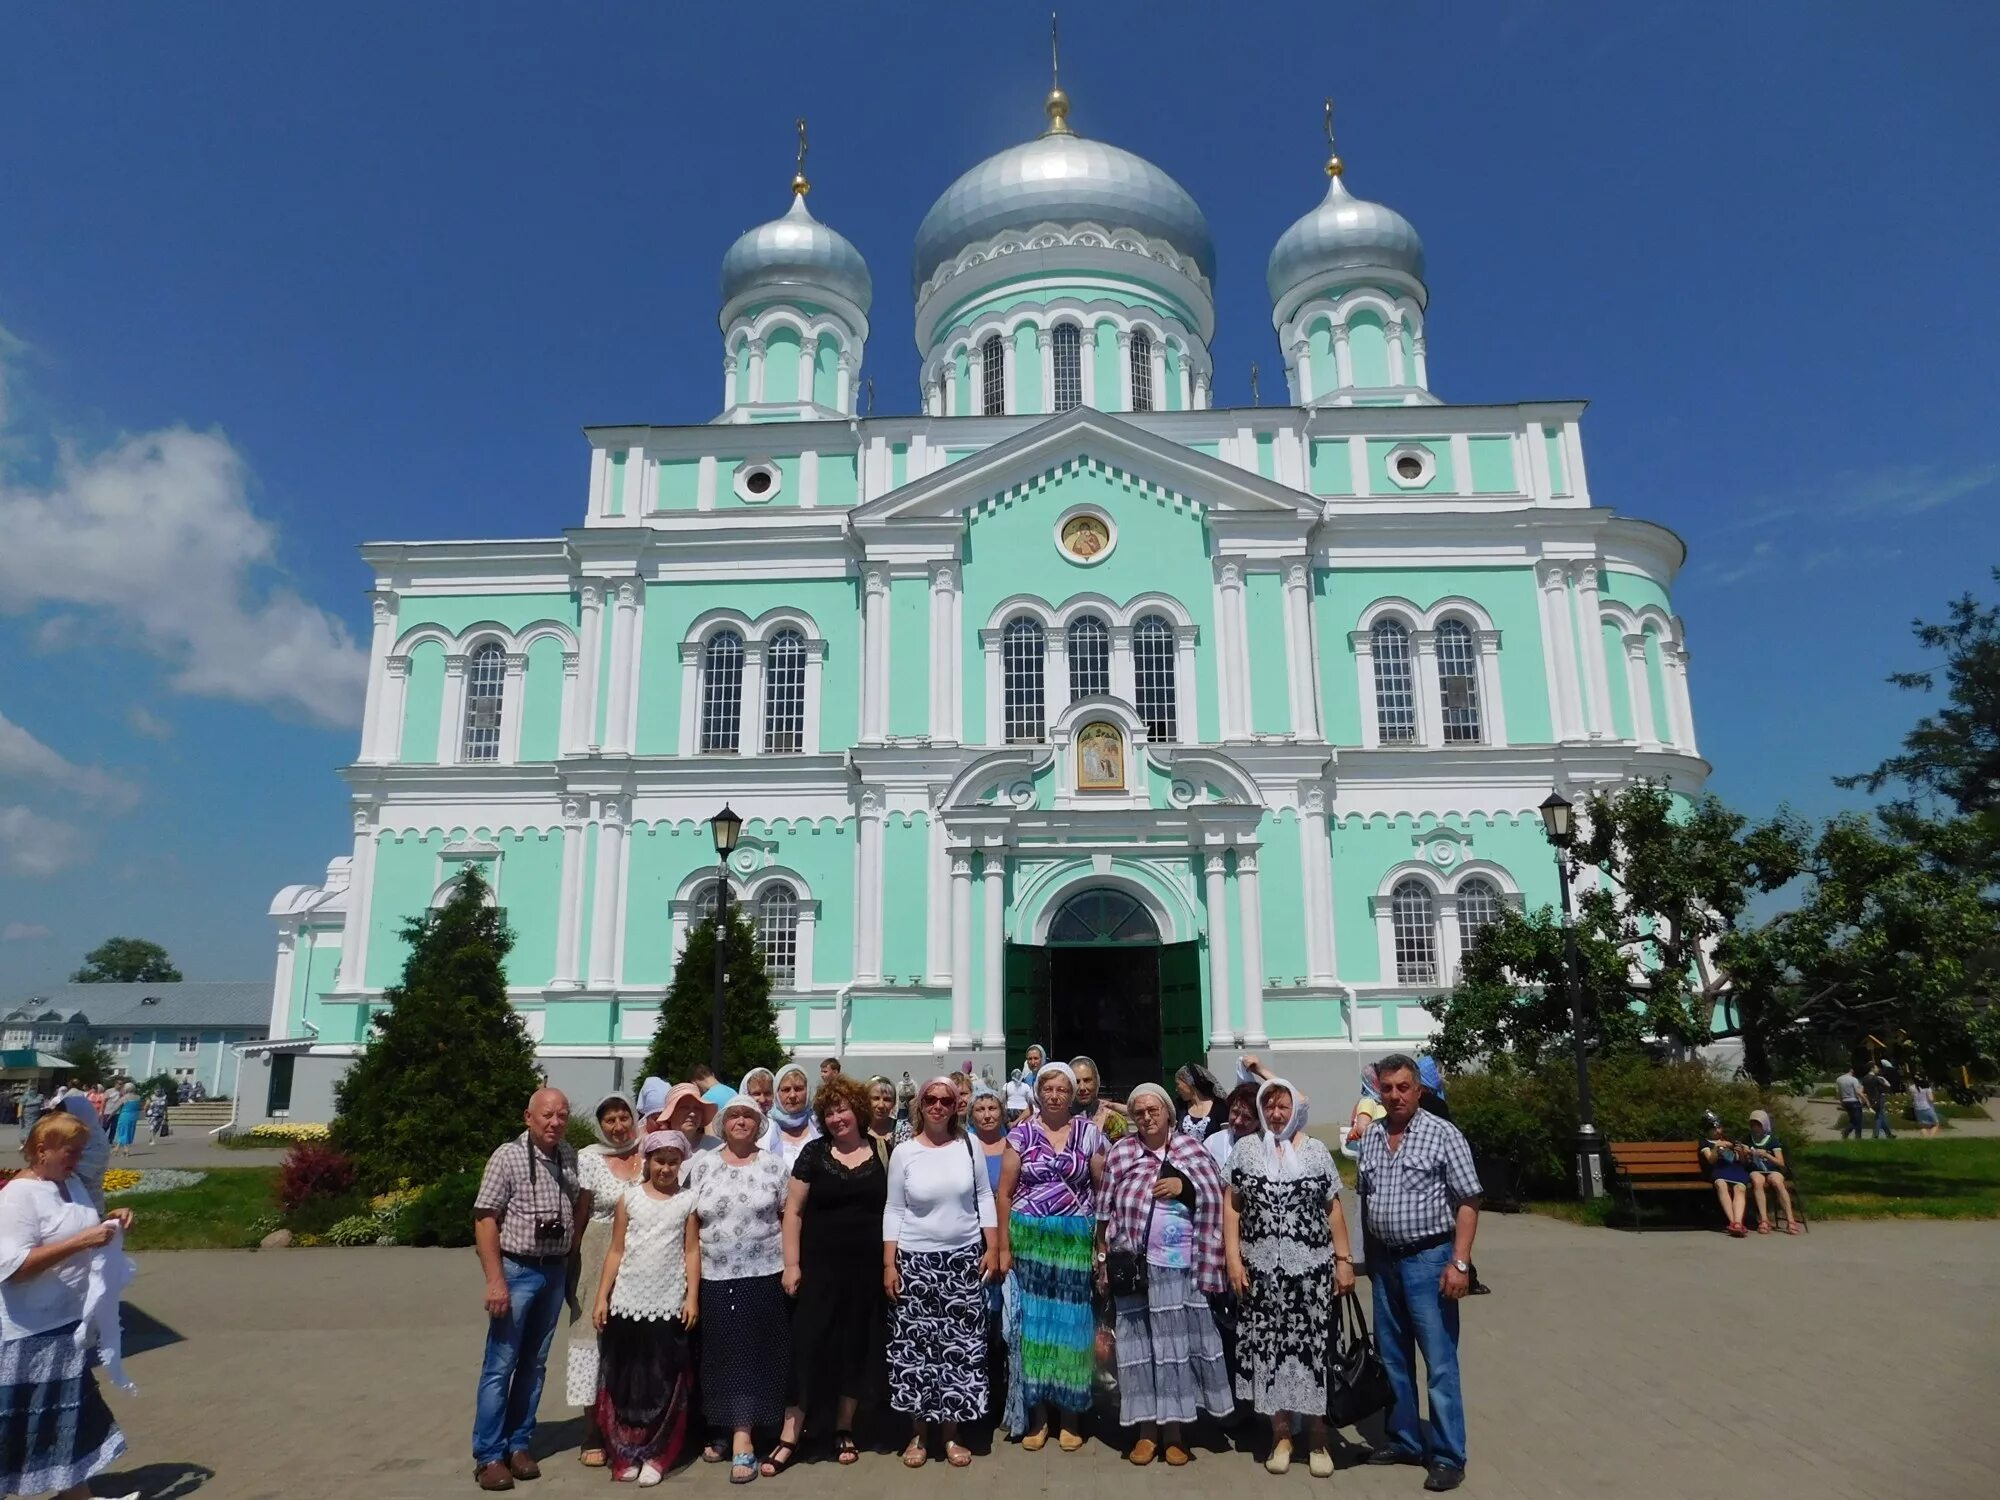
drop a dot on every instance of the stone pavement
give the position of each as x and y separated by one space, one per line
1857 1361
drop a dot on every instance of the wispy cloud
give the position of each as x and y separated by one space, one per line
1758 557
1865 495
144 721
35 846
24 932
25 758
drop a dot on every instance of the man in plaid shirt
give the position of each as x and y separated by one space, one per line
1420 1210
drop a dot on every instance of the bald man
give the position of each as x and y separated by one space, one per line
527 1222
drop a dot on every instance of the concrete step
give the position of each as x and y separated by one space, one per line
206 1115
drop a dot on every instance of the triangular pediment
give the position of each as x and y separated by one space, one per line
1093 438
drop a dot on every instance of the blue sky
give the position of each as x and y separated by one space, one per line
278 279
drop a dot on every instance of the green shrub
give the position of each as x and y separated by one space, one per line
443 1215
355 1229
316 1216
256 1230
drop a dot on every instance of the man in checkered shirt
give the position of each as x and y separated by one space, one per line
1420 1210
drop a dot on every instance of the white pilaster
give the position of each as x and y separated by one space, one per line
1186 384
1596 669
1186 722
993 877
1299 652
513 698
975 374
1639 681
728 383
938 968
1233 664
1157 362
360 901
1316 883
624 613
1343 359
1124 682
1250 917
569 739
609 898
1302 372
1201 392
756 347
373 744
1222 1031
1393 336
1492 702
868 890
996 724
1430 694
590 605
875 653
944 653
808 352
569 909
1554 577
750 718
961 947
1680 702
281 982
1362 643
1010 390
451 722
844 382
395 704
809 479
1357 465
1045 347
1087 368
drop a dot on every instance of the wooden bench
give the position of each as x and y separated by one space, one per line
1658 1167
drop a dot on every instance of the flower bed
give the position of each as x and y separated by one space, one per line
118 1179
159 1180
282 1132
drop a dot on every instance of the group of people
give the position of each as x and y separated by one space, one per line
118 1110
770 1261
1874 1089
1755 1163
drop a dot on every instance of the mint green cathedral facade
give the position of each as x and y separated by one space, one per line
1071 708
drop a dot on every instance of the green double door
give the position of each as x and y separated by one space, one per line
1133 1007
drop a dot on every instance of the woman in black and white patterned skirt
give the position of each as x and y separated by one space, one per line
941 1245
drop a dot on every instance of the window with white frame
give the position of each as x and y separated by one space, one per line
1023 646
485 682
785 693
17 1036
188 1041
721 693
1066 339
1413 923
1088 646
1395 683
992 378
1141 355
1478 909
1458 682
121 1043
1153 683
778 932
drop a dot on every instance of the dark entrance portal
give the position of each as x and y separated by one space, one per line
1105 1004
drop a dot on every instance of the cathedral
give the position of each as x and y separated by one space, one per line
1069 708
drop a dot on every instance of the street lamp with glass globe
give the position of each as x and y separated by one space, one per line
1559 823
726 827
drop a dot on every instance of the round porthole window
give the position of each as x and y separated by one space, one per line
1411 466
757 480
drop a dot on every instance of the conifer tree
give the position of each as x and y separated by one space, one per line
451 1066
749 1024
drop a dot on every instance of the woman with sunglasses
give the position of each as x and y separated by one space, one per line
941 1244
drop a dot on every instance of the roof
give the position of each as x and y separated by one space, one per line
240 1003
28 1060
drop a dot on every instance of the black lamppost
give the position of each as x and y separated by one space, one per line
725 825
1559 822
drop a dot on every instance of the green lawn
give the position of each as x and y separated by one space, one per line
214 1214
1902 1179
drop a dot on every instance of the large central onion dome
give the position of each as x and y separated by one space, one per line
791 257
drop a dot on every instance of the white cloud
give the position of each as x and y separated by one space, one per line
144 721
156 535
24 932
35 846
25 758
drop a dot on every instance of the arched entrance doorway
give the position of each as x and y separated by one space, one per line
1104 985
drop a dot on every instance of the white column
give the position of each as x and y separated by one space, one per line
1250 917
1554 578
1157 363
513 696
1299 652
1358 478
808 352
1124 369
1680 703
756 369
1639 683
961 947
609 897
1394 338
1596 669
975 373
281 983
1055 674
1087 367
1423 374
1124 682
996 725
1316 881
1430 721
1045 346
1222 1031
451 722
1343 358
938 968
1233 661
949 381
395 703
373 747
868 890
728 381
815 674
569 909
993 876
600 480
360 901
1187 723
944 654
1201 388
1186 382
1492 702
568 739
1302 377
590 599
844 382
1362 642
750 718
875 654
618 710
1009 391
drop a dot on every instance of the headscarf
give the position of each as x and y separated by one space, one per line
1371 1083
652 1094
1052 1067
1761 1119
1198 1078
984 1090
665 1140
96 1156
1166 1102
749 1106
1026 1073
680 1094
597 1124
788 1119
1284 1154
1429 1076
744 1086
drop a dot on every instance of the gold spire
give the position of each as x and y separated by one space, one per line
800 185
1334 166
1058 102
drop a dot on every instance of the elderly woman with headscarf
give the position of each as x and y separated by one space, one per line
1100 1111
746 1345
96 1158
1285 1236
1201 1101
643 1310
792 1120
885 1126
652 1101
1159 1243
1048 1201
607 1170
940 1245
762 1087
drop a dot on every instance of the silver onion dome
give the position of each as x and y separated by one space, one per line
1062 178
1344 233
796 254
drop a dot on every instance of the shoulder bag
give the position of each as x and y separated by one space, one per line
1125 1271
1357 1386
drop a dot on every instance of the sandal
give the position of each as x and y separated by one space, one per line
1765 1227
591 1458
773 1465
742 1468
1792 1226
714 1453
844 1450
914 1456
1280 1461
958 1455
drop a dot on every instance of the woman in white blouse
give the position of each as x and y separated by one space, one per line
607 1170
940 1246
48 1233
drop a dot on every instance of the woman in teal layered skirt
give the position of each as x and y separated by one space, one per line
1048 1201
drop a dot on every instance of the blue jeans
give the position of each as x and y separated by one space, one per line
1882 1122
517 1356
1853 1125
1412 1313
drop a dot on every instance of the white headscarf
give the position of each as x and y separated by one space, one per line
1284 1154
96 1156
1060 1068
597 1124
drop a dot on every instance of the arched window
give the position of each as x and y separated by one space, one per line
1022 646
1067 340
1395 685
785 693
1153 677
1089 650
1103 916
1142 371
702 907
778 932
721 693
1413 919
1458 682
485 682
1478 909
993 378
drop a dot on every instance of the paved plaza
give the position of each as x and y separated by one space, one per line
1857 1361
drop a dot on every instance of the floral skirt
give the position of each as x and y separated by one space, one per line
648 1376
55 1430
1169 1354
937 1336
580 1369
1281 1337
1051 1334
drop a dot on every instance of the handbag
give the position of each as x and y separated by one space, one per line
1125 1271
1357 1386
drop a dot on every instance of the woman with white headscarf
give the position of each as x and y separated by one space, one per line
607 1170
793 1122
1285 1238
90 1168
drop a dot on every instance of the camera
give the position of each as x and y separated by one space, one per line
550 1232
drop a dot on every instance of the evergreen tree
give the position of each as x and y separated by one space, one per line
451 1066
749 1024
90 1061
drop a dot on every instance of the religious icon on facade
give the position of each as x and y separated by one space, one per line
1100 758
1083 537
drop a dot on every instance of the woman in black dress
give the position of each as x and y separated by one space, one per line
833 1265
